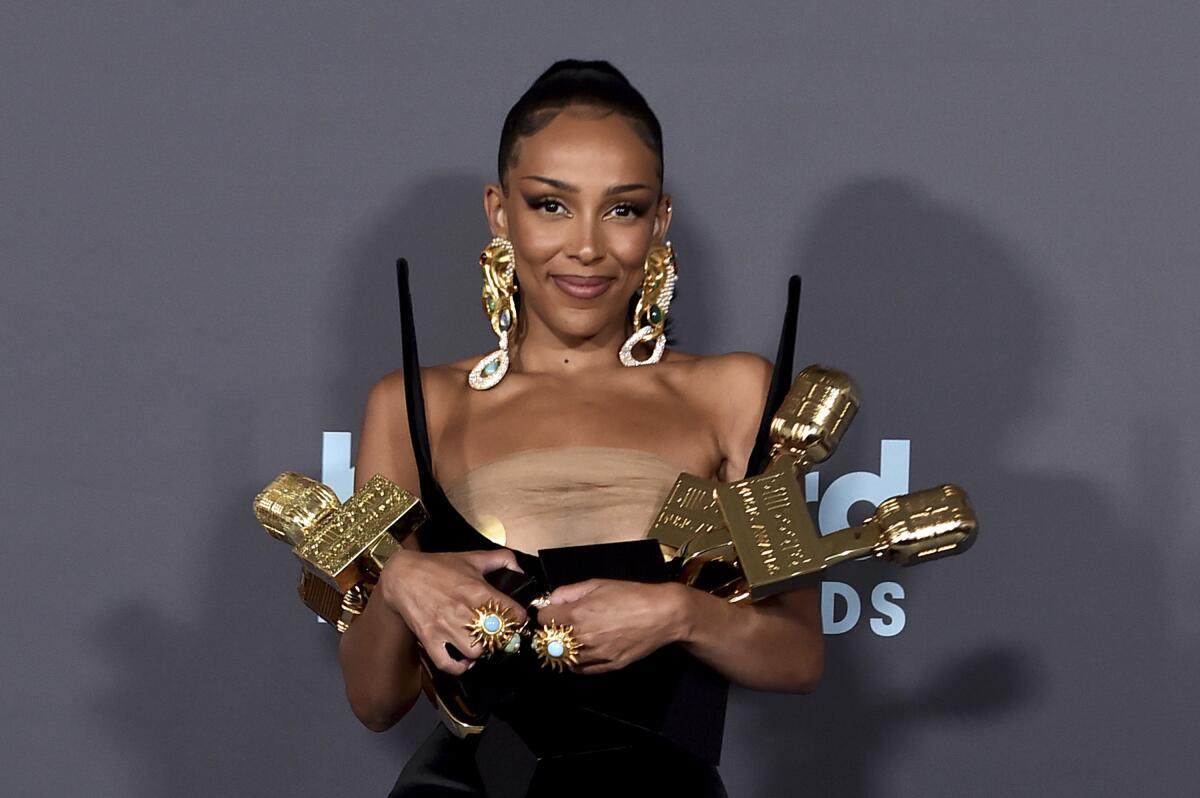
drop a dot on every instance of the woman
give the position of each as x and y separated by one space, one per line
565 443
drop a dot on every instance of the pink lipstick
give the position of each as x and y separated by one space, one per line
582 287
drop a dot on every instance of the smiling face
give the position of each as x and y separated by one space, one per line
583 208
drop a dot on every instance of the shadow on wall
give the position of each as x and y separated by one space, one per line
244 697
247 696
937 319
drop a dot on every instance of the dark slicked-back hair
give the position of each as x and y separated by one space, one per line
572 81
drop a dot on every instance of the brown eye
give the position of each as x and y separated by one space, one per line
548 204
627 210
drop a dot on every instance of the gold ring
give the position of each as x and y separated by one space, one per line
556 647
492 627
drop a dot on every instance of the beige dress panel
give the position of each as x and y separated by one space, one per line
564 496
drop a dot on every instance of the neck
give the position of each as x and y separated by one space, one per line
541 350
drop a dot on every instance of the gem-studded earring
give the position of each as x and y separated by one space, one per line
658 286
499 270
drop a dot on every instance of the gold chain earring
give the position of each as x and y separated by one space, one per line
499 286
658 286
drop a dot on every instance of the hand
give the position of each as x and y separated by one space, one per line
616 621
435 592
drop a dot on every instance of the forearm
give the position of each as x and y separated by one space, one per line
380 659
769 645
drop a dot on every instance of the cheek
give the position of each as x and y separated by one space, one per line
629 242
536 243
630 252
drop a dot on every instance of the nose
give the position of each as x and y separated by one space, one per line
586 244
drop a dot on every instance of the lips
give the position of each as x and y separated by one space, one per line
582 287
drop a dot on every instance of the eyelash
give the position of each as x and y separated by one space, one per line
634 210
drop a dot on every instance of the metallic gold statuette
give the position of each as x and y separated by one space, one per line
752 538
341 547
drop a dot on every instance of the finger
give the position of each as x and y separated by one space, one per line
519 614
464 638
465 642
560 615
438 654
454 652
590 659
573 592
494 559
447 664
515 610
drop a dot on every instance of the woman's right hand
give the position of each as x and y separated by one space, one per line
436 592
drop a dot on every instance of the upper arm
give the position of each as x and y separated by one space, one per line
742 387
384 445
746 382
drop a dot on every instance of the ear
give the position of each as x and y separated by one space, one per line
662 218
493 209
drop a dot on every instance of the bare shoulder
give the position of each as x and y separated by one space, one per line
732 388
459 369
386 442
743 368
731 378
438 383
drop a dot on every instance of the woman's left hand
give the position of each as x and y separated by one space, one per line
616 621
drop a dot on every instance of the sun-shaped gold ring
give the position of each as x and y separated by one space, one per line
491 626
556 647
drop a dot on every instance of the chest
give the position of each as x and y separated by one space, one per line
564 496
482 426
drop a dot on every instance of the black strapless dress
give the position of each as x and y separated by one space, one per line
444 765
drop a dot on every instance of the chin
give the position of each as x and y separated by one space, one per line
580 322
580 328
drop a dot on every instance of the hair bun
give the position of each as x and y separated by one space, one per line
569 81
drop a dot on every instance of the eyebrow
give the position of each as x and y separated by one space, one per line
564 186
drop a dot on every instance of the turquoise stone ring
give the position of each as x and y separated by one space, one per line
492 627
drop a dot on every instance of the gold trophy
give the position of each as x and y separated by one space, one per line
342 549
742 540
752 538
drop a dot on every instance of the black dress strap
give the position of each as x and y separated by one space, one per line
781 379
446 530
414 395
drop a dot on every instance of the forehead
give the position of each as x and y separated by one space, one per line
579 144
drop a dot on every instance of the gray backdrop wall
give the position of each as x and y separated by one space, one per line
993 206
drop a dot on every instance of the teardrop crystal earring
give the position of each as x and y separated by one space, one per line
658 286
499 286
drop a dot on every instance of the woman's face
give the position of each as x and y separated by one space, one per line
582 211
